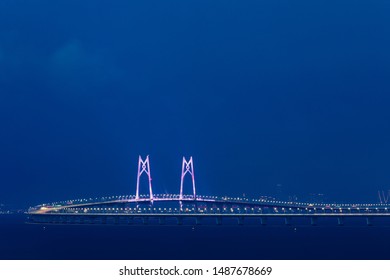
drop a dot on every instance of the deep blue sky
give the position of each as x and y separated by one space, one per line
261 93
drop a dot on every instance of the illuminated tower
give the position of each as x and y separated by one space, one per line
187 167
383 196
144 167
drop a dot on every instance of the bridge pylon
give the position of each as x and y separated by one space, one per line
187 167
144 167
384 197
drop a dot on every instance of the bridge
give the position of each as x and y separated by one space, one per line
194 208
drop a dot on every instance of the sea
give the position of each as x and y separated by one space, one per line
20 239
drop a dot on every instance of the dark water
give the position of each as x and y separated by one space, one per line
20 240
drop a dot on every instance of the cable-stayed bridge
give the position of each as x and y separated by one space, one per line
194 208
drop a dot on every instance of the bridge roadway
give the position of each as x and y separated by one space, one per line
129 218
120 209
245 202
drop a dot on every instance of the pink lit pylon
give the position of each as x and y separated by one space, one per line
144 166
383 197
187 167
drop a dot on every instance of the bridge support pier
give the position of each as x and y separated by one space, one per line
313 221
218 220
130 220
263 221
161 221
69 220
116 220
240 221
179 221
104 220
287 221
145 220
340 221
369 221
56 220
198 221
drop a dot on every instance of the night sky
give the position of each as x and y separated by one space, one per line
269 97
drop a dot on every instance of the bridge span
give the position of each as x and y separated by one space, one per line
129 209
